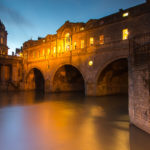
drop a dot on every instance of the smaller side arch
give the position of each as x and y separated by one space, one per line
34 80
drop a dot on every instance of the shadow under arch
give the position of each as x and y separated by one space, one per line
113 78
68 78
35 80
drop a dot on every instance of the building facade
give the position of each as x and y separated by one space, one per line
3 40
91 57
10 66
98 49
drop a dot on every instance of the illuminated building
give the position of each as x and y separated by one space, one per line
90 57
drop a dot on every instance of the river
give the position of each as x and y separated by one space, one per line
69 121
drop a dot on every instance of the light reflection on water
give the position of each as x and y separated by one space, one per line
34 121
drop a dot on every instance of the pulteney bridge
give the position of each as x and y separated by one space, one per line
93 57
88 56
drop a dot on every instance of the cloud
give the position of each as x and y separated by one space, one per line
13 16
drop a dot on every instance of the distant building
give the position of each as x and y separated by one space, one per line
10 66
3 40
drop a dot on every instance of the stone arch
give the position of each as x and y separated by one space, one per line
112 78
68 78
35 79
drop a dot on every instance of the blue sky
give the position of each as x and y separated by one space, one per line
26 19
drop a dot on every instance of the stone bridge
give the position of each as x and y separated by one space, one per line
92 57
100 70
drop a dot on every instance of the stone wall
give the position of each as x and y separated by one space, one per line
139 81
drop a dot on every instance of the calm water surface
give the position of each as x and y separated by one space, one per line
33 121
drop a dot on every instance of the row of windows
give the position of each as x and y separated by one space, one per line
125 34
68 46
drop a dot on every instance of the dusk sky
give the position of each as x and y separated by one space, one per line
26 19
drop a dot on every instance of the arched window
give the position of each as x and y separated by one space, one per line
67 42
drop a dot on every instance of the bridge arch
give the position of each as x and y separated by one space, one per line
68 78
112 78
35 79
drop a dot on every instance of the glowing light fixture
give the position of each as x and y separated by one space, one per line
90 63
125 14
20 54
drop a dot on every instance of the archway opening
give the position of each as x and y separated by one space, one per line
68 79
113 80
35 80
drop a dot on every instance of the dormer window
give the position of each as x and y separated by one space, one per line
126 14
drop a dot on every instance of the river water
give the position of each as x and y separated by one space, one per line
34 121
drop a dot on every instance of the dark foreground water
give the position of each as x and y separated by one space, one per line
33 121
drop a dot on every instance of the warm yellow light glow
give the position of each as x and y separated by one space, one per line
90 63
75 45
91 41
67 35
82 28
20 54
101 39
82 43
125 14
43 41
54 49
67 41
48 51
125 34
59 49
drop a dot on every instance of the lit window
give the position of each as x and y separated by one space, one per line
75 45
91 41
43 41
101 39
48 51
67 41
125 14
54 49
82 28
125 34
82 43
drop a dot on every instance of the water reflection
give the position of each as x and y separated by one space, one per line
33 121
139 140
